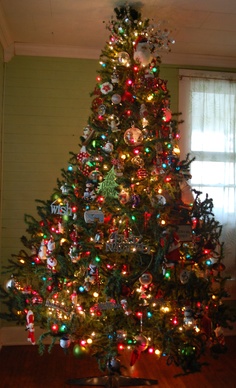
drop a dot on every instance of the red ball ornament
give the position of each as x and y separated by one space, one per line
96 103
142 173
127 96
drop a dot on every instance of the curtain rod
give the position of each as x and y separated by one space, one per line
208 78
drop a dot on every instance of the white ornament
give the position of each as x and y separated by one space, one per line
142 52
108 147
42 251
65 342
51 263
106 88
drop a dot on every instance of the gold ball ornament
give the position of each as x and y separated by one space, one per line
133 137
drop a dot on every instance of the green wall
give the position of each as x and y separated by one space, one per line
46 107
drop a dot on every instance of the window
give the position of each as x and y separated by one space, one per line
208 107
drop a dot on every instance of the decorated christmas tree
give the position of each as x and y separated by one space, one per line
125 254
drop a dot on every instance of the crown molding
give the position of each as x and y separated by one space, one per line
171 58
5 35
211 61
56 51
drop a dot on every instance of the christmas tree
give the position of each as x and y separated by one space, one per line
125 254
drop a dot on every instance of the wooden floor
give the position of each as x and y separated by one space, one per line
23 367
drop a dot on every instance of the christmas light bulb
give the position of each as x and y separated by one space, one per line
150 97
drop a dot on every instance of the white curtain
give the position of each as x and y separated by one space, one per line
207 101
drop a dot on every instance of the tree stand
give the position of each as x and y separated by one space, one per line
112 381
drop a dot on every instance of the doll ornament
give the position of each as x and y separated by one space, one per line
30 326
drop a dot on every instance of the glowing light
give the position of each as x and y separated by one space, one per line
54 327
175 321
150 97
165 309
97 259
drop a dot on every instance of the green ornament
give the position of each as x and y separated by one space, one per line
107 187
79 351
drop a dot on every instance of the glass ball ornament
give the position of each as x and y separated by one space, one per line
161 199
133 137
124 196
116 98
79 351
145 279
65 342
108 147
123 58
95 176
141 342
102 110
184 276
187 351
113 365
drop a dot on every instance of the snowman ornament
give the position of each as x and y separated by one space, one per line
142 52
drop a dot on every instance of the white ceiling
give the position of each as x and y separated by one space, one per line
204 30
